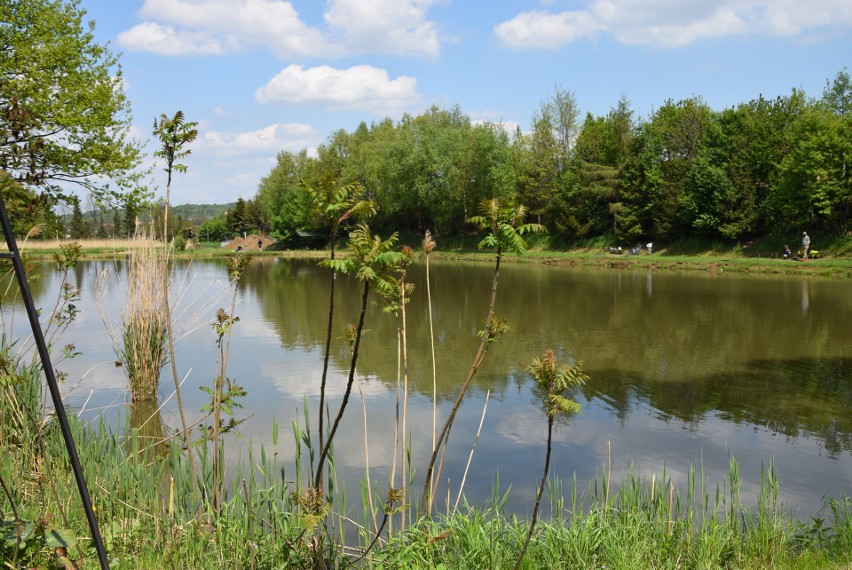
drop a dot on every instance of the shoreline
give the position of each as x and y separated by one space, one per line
662 260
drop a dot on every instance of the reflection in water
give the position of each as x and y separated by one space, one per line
805 397
146 421
700 344
684 368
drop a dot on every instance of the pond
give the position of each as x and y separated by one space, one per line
685 369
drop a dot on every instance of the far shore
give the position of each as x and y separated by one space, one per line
661 259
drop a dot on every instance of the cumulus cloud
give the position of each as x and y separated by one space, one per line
166 40
384 26
270 139
672 23
543 30
359 88
211 27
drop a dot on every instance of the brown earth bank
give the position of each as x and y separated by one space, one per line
252 242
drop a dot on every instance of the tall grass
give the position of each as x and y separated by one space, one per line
143 348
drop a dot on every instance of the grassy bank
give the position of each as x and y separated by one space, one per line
140 487
762 257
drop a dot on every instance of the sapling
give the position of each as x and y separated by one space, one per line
333 204
174 135
504 228
225 392
370 258
554 379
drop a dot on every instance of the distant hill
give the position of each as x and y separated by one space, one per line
198 213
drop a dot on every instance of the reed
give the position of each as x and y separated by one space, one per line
143 348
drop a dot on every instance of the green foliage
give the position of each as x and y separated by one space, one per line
78 227
686 171
63 113
174 134
22 541
282 197
555 379
504 227
333 204
814 178
179 243
29 211
215 229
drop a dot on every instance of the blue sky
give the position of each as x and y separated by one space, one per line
264 76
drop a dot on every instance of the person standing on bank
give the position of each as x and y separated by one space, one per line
806 243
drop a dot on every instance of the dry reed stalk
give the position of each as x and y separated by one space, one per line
428 245
472 449
367 455
396 411
144 328
404 457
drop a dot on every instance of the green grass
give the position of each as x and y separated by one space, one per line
149 519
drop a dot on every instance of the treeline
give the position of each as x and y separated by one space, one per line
763 167
120 222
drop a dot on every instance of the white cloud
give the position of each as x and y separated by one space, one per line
384 26
543 30
211 27
361 88
672 23
270 139
165 40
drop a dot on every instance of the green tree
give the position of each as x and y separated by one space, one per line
27 209
131 213
238 218
545 157
282 197
63 114
116 223
78 227
214 229
837 95
814 178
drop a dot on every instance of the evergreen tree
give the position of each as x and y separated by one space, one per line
79 229
117 231
237 218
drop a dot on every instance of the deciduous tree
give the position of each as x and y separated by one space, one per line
64 117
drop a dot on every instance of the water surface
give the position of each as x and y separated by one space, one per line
685 368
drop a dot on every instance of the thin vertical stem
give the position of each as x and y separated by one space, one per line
326 356
434 366
346 394
404 395
428 491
